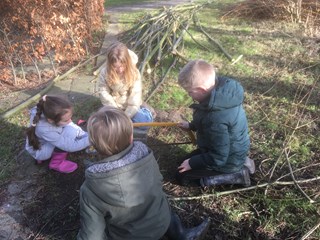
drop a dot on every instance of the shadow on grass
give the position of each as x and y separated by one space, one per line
276 89
35 202
47 202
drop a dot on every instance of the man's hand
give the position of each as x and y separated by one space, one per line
184 166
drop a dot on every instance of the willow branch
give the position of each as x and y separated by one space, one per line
218 194
162 80
197 23
294 179
175 52
310 231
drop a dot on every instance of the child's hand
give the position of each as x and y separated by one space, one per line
91 150
184 125
184 166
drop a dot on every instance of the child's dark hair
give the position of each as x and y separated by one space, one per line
53 108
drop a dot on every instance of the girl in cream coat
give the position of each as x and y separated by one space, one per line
120 83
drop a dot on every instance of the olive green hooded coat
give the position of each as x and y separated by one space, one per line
126 202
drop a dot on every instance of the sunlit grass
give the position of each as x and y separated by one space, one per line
280 75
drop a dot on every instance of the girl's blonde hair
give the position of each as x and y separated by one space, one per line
110 130
118 53
52 107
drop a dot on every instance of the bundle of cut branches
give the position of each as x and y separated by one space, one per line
156 36
159 37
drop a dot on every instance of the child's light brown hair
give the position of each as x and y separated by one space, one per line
118 53
110 130
197 73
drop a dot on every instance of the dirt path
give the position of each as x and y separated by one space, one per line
20 211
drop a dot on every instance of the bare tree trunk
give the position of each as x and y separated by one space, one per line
35 62
9 57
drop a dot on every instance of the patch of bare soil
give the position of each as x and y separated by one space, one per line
43 204
34 202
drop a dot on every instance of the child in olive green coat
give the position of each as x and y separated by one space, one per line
122 196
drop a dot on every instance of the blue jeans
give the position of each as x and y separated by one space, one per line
143 115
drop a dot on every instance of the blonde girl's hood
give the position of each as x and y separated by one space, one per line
134 57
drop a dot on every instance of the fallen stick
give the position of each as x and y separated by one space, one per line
218 194
310 231
230 58
162 80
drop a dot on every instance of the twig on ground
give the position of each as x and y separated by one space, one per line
297 170
293 177
230 58
288 138
310 231
218 194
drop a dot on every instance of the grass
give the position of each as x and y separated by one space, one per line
11 142
280 72
282 88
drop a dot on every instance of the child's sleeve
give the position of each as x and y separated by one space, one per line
104 90
41 154
92 222
70 138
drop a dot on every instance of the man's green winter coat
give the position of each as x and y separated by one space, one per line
126 202
222 129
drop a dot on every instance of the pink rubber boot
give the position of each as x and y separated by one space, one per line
59 163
